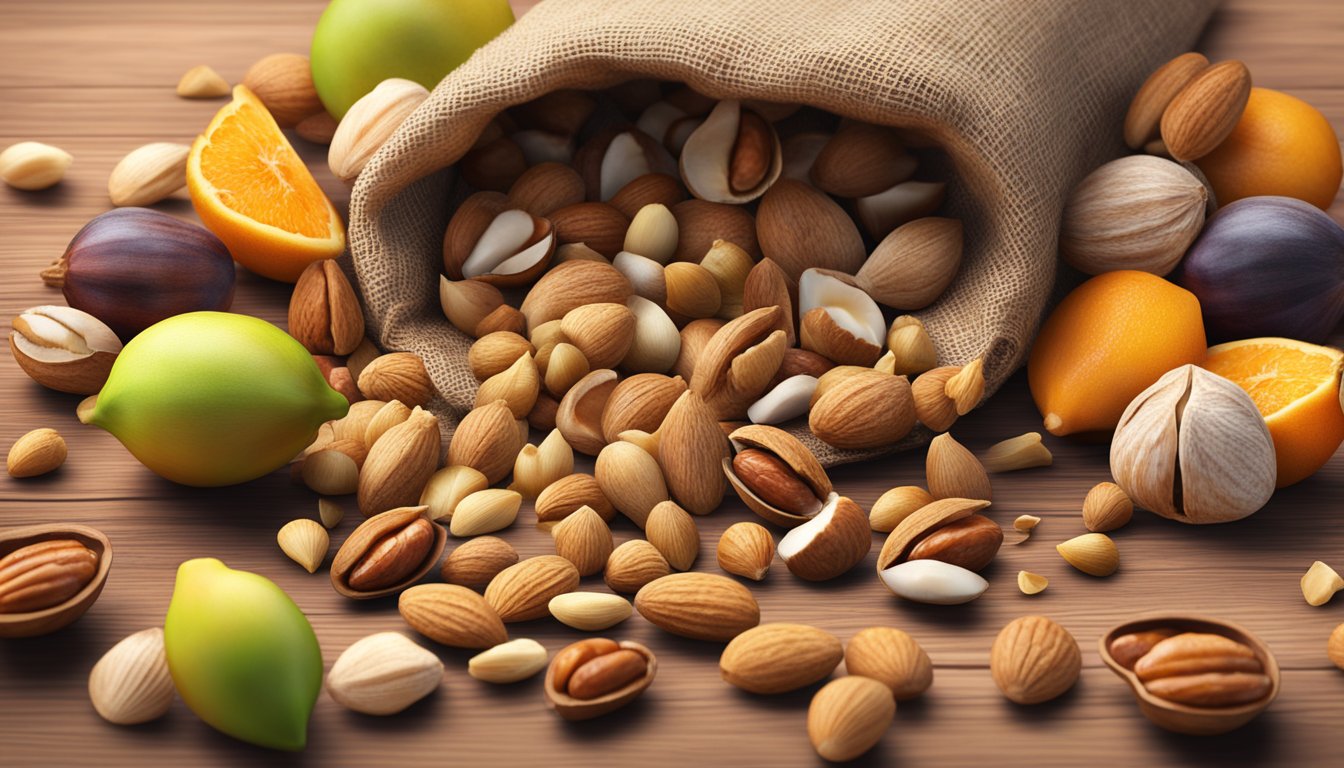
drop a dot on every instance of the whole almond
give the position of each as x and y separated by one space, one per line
369 123
485 511
573 284
631 479
779 657
1034 660
634 564
1206 110
397 376
522 591
148 174
767 285
382 674
640 402
895 505
545 188
700 606
487 439
671 530
590 611
1106 508
892 657
495 352
474 563
848 716
602 332
284 83
36 453
305 542
131 684
32 165
861 411
597 225
583 539
400 464
800 227
861 159
1144 118
567 495
692 448
746 549
324 316
452 615
954 472
1092 553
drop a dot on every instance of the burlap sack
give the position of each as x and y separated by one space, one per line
1025 96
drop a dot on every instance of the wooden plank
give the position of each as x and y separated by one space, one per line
96 78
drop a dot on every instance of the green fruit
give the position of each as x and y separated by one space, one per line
213 398
242 655
360 43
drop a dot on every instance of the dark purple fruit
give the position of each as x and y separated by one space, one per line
132 267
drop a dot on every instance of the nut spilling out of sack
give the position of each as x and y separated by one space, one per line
611 251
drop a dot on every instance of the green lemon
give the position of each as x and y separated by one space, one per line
214 398
242 655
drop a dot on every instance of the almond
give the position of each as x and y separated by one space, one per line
517 386
649 189
386 417
36 453
671 530
131 684
387 552
640 402
485 511
701 222
691 450
324 316
1106 508
652 233
971 542
452 615
1092 553
733 156
914 264
369 123
1022 452
202 82
920 523
597 225
1206 110
911 349
538 467
1034 660
700 606
634 564
768 286
570 285
493 353
476 562
615 157
382 674
777 658
695 337
31 165
590 611
447 487
861 160
602 332
487 439
567 495
730 266
746 549
895 505
800 227
868 410
830 544
891 657
1144 117
848 716
305 542
44 574
397 376
545 188
738 362
631 479
522 591
284 83
508 662
400 464
583 539
954 472
148 174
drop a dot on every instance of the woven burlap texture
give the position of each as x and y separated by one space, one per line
1025 97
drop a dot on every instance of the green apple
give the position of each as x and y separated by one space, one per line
360 43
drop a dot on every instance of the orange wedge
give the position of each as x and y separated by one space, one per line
1296 387
251 189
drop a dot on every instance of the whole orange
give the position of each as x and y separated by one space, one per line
1106 342
1281 146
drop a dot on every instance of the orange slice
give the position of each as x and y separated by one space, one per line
1296 387
251 189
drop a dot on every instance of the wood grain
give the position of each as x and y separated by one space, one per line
96 78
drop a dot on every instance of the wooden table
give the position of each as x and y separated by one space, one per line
96 78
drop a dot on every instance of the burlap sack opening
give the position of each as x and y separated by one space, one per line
1024 97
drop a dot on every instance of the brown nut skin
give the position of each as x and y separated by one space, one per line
44 574
605 674
777 485
571 657
1128 649
971 543
374 533
394 557
569 662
